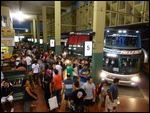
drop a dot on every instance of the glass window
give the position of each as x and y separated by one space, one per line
121 64
128 41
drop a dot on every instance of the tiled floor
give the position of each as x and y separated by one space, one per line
127 103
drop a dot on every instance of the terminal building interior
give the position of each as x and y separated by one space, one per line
109 38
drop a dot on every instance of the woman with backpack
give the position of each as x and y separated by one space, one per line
102 93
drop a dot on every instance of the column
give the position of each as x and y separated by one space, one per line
58 27
34 30
31 31
44 27
38 31
98 39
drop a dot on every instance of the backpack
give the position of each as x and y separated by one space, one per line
97 89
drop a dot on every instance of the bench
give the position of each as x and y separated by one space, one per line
16 77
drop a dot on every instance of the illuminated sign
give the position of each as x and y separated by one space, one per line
125 52
52 43
88 48
124 35
7 42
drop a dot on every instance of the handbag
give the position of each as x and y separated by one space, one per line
53 103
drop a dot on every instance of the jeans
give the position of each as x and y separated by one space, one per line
35 78
58 95
28 68
27 106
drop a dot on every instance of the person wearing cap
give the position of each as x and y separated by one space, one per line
67 89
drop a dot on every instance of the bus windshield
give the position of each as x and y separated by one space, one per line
122 41
121 64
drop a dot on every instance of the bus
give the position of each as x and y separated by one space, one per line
122 56
7 32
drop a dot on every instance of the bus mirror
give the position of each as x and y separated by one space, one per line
145 55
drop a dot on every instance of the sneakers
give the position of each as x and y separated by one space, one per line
12 110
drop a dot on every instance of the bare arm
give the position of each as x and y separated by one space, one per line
29 92
111 96
62 90
50 88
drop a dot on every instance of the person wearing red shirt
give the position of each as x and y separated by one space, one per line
57 83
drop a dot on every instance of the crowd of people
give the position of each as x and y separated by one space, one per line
45 69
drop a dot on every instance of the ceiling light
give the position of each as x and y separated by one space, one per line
19 16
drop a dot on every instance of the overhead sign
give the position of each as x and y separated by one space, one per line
52 43
7 42
88 48
125 52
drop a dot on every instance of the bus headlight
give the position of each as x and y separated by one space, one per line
103 75
135 79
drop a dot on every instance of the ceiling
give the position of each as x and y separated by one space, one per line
33 8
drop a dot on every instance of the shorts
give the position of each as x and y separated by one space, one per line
4 99
112 104
67 97
88 102
103 104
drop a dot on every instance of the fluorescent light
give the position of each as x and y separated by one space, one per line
137 31
19 16
107 31
35 40
41 41
111 55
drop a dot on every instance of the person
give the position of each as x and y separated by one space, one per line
6 93
2 76
112 103
28 96
70 70
42 81
77 97
47 89
89 88
102 93
67 89
2 56
49 71
28 62
57 83
75 72
12 62
83 74
36 70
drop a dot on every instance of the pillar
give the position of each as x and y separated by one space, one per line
34 30
98 39
44 27
31 29
38 31
58 27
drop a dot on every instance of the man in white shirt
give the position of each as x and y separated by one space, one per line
36 70
2 76
18 59
28 62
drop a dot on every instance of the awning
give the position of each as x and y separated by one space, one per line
77 39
